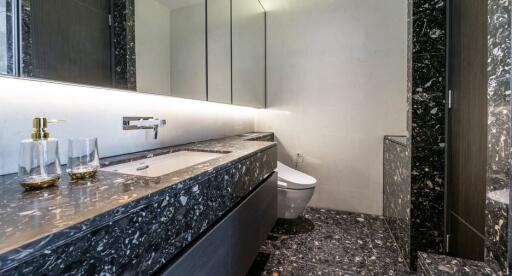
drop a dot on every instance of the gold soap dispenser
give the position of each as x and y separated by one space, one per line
39 164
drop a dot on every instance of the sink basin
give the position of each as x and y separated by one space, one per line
163 164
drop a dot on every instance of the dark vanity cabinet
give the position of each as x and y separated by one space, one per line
230 246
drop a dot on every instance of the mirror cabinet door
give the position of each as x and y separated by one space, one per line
188 49
248 19
152 47
219 50
170 47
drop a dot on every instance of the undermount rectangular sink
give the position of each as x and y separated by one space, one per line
163 164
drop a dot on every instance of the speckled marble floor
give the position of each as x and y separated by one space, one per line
325 242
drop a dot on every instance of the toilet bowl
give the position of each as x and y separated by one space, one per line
295 190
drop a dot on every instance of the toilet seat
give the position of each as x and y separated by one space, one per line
294 191
293 179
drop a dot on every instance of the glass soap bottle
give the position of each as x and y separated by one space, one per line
39 164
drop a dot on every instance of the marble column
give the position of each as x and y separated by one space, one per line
497 230
426 124
420 226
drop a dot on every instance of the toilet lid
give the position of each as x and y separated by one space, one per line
293 179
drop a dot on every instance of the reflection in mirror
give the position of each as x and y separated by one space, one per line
152 46
188 49
170 47
248 19
219 51
73 41
6 38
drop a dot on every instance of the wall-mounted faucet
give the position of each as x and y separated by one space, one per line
131 123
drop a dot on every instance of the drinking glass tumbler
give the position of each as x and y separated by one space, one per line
83 158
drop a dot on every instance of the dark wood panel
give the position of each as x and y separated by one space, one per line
465 242
71 41
230 247
468 125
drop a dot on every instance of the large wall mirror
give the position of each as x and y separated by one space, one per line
198 49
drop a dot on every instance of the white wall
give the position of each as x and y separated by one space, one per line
336 72
98 112
153 57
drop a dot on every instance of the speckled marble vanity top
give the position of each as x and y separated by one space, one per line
35 224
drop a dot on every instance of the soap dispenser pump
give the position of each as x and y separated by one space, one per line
39 164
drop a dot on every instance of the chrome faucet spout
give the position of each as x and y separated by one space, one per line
135 122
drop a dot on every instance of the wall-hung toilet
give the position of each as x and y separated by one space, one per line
295 190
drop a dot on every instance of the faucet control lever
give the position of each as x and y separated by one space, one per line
137 122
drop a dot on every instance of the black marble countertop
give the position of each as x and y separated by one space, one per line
433 264
29 220
401 140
